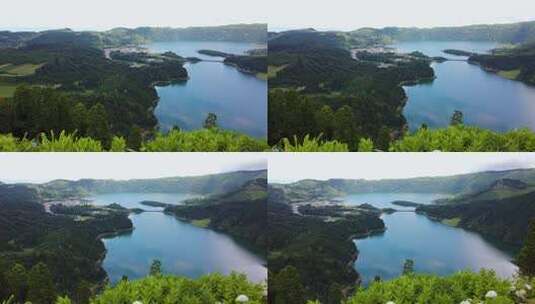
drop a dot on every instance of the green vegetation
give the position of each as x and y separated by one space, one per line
310 258
457 288
240 213
175 141
333 85
44 254
466 139
454 222
61 80
6 90
513 63
202 223
526 258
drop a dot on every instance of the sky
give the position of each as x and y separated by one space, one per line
44 167
280 14
106 14
287 167
354 14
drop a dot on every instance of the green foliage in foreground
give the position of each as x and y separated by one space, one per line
204 140
167 289
462 138
179 290
458 138
462 286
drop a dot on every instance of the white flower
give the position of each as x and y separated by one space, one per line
528 287
513 288
521 293
390 302
466 302
491 294
242 299
137 302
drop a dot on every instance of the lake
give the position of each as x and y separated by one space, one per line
434 247
486 99
239 100
132 200
183 249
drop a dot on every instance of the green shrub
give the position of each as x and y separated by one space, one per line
423 288
9 143
67 143
118 144
204 140
462 138
211 288
313 145
365 145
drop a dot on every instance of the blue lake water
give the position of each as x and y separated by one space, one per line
239 100
182 248
486 99
434 247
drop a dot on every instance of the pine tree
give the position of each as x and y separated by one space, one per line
79 116
41 288
99 128
526 257
83 292
325 121
334 295
135 138
16 279
408 267
156 268
457 118
211 121
288 287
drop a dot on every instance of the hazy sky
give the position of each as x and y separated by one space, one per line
106 14
280 14
353 14
294 167
43 167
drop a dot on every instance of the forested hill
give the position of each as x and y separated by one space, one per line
240 213
121 36
207 184
502 218
457 184
505 33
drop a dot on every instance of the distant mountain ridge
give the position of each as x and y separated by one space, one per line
205 184
254 33
456 184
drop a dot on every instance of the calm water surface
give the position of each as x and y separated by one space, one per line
239 100
434 247
182 248
486 99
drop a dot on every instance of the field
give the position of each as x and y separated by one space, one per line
7 89
18 70
513 74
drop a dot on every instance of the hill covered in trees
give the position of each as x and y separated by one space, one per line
311 257
240 213
73 82
317 87
345 88
44 254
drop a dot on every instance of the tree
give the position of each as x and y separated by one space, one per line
325 121
99 128
526 257
334 295
288 287
80 116
135 138
156 268
211 121
41 288
408 267
16 279
457 118
344 127
83 292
